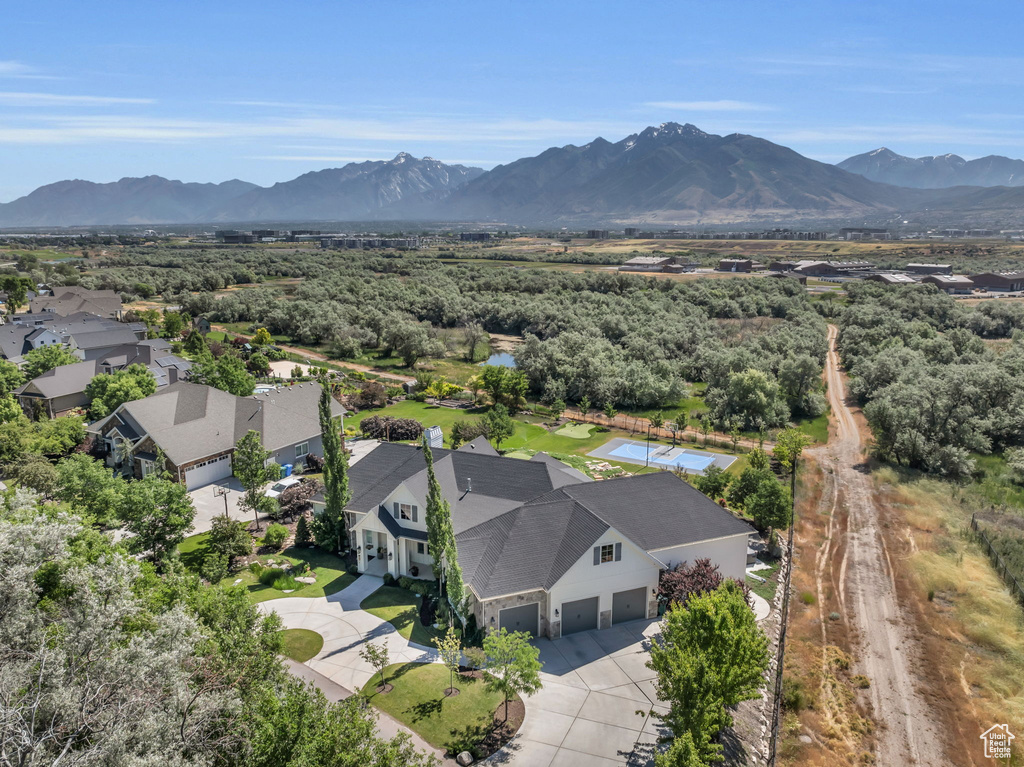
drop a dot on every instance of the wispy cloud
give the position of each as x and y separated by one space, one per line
19 99
77 129
19 70
723 105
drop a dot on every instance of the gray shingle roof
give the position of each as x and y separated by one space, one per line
60 381
525 523
190 421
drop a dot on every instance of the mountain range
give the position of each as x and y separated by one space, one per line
669 174
938 172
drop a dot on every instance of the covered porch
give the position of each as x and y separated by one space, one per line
400 552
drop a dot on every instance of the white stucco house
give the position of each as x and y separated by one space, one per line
542 547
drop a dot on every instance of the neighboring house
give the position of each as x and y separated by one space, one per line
57 391
62 389
542 547
801 278
65 301
202 325
87 335
953 283
196 427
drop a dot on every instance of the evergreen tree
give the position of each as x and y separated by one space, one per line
329 527
438 516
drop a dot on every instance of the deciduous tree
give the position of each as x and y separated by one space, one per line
513 664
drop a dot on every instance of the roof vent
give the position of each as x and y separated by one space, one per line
469 484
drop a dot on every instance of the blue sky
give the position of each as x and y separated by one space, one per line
264 91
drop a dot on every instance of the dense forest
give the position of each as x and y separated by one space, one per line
614 339
934 389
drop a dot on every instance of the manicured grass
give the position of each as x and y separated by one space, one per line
330 571
575 430
401 609
418 701
301 644
331 576
192 551
765 590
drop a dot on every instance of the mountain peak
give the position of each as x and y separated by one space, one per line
671 129
403 157
934 171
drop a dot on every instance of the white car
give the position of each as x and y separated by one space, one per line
277 488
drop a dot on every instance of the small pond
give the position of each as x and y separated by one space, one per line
504 359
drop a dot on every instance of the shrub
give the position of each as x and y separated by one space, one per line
793 696
404 582
476 658
808 598
314 462
303 536
393 429
860 681
286 583
297 499
214 567
273 472
353 570
270 575
389 579
275 536
418 587
256 569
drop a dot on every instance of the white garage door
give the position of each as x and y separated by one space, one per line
208 471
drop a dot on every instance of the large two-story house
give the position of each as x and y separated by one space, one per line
543 548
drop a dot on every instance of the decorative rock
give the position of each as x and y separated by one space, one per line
237 581
465 759
806 739
306 579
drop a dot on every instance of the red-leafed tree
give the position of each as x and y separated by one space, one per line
685 580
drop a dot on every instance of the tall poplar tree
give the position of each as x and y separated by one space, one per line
329 527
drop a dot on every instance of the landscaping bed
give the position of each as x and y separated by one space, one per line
473 720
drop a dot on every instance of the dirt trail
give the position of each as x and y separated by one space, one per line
865 586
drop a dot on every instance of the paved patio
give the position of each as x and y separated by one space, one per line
209 505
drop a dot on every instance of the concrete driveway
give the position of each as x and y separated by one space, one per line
209 505
595 706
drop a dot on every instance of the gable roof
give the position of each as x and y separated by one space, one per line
14 341
479 445
70 299
191 421
527 548
60 381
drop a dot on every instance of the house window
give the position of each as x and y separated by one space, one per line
301 451
607 553
421 548
408 511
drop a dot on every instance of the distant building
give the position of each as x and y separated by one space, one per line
783 266
738 265
303 234
631 232
801 278
647 264
474 236
597 234
999 281
953 284
834 268
929 268
864 233
264 233
891 278
363 243
234 237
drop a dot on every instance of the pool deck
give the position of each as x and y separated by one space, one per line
607 452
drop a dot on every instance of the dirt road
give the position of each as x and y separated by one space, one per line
864 581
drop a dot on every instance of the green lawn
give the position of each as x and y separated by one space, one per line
301 644
418 701
401 609
765 590
530 437
815 428
330 571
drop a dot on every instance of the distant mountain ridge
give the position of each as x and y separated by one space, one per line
671 173
147 200
357 191
939 172
664 175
